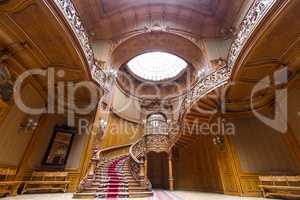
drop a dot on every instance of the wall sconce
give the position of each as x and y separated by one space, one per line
29 124
103 124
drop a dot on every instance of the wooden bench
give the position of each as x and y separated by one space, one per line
280 186
46 182
8 186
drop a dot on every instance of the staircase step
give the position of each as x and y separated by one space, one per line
113 178
113 194
138 189
120 195
140 194
104 171
107 175
106 190
112 186
86 195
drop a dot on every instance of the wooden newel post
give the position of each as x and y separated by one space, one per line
92 168
142 172
146 168
171 178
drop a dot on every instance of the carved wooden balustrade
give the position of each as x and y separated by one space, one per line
98 157
90 174
157 143
71 16
136 162
154 143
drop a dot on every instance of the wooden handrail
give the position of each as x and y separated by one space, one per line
98 155
131 153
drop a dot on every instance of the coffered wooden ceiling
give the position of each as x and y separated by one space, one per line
110 19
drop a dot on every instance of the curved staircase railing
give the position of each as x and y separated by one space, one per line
161 142
97 157
71 16
87 180
136 163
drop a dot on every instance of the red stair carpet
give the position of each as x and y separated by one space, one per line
114 180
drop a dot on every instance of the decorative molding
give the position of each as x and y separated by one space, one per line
150 28
157 143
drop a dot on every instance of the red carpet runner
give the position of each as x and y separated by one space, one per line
114 180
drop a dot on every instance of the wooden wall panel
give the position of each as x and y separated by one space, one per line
10 133
260 149
120 132
228 170
250 154
117 152
195 167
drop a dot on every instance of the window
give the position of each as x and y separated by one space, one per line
156 124
157 66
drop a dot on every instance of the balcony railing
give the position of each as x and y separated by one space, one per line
72 18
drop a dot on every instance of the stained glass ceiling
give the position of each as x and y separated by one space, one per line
157 66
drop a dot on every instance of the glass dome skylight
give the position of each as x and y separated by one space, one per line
157 66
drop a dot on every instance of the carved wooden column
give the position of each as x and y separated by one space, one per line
171 178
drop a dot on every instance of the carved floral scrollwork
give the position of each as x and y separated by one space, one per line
218 78
139 149
157 143
70 13
205 85
136 153
252 19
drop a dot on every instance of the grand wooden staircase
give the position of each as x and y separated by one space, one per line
113 179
